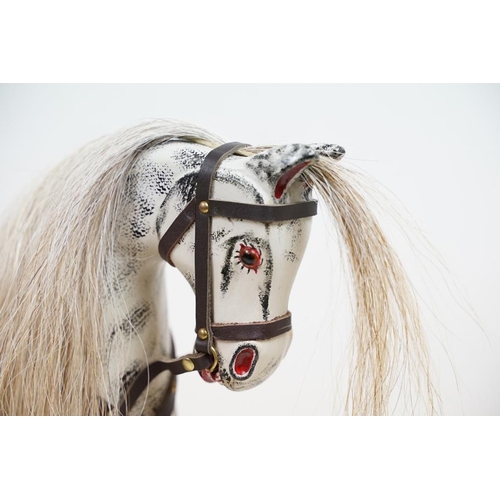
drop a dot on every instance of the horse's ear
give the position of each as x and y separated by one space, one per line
334 151
282 165
295 168
289 176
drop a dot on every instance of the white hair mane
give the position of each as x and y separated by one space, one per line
54 277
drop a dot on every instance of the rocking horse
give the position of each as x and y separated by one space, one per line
83 324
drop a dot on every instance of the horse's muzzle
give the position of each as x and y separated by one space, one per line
243 364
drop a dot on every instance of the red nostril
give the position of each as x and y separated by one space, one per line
243 361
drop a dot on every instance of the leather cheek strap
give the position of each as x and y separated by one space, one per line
202 255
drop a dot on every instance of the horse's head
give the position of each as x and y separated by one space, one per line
251 251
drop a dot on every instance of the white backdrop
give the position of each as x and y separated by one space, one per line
435 147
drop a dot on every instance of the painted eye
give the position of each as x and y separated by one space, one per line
249 257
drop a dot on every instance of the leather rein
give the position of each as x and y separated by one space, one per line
200 211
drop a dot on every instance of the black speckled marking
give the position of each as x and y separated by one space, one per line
127 264
189 158
295 227
264 299
159 221
332 150
143 208
227 177
224 375
129 376
145 178
219 234
186 187
228 269
135 320
162 180
184 191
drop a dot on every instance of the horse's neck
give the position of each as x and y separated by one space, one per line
140 334
138 327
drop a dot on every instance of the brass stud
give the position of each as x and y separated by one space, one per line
203 334
188 365
203 206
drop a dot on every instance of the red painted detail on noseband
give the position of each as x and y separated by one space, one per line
285 179
243 361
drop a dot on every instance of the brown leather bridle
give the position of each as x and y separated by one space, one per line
200 211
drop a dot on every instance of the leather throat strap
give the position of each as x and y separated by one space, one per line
176 230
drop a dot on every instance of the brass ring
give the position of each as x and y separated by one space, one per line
216 359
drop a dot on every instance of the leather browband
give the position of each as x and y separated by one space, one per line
263 213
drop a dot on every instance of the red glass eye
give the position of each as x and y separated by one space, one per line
249 257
